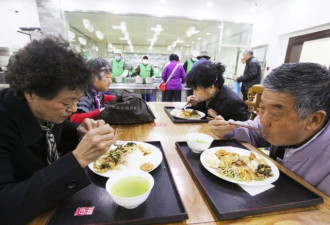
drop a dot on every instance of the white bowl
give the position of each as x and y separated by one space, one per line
198 142
149 80
179 105
119 79
138 80
128 181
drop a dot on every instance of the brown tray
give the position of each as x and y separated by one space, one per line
164 204
168 110
228 200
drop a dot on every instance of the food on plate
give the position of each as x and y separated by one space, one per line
129 155
147 166
239 167
187 114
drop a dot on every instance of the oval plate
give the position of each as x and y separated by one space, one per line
242 152
175 112
155 157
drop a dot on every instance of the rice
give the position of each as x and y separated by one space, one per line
134 159
212 160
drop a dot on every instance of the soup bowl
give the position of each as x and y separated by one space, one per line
130 188
198 142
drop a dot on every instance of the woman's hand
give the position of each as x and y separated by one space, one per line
94 144
192 100
87 125
220 127
212 113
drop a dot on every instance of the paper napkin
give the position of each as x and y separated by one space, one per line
254 190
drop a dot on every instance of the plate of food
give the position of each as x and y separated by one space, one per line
188 114
239 166
127 155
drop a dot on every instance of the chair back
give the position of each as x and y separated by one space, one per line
253 101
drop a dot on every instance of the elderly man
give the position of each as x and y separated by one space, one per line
252 72
294 118
42 154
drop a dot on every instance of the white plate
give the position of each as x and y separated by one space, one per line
242 152
155 157
176 112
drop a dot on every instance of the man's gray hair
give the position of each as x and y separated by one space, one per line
307 83
250 51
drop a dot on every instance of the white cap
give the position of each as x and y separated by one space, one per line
117 51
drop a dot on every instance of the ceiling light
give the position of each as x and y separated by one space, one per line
254 7
72 36
99 35
88 25
209 4
162 1
191 31
82 40
207 33
199 38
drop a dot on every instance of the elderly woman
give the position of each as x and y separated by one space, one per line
90 104
211 96
41 159
294 117
175 75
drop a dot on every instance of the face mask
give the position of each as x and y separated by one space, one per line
117 57
145 62
194 59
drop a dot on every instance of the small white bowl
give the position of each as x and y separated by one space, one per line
119 79
198 142
179 105
127 181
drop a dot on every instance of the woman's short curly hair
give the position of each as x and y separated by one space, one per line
205 75
44 67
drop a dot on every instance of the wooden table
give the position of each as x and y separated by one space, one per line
196 205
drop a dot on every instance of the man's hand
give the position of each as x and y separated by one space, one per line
220 127
94 144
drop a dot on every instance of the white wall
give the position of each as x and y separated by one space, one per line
288 19
10 21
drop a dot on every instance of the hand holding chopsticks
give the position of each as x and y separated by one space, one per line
220 127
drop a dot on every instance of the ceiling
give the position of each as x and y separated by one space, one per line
173 32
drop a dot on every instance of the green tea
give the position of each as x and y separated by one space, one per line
130 187
200 141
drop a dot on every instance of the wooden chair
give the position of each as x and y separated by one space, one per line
253 101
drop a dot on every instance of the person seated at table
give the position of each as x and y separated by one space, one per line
294 118
41 159
90 105
211 96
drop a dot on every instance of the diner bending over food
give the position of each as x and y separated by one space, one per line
294 118
42 160
211 96
90 105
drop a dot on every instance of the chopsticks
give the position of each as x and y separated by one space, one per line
237 124
245 126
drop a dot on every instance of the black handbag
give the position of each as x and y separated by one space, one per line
128 108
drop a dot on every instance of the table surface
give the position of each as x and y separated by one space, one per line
198 210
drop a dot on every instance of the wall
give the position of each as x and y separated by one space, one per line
10 21
288 19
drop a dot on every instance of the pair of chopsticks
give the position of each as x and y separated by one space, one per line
237 124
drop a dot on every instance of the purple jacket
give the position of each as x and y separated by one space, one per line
178 77
311 162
